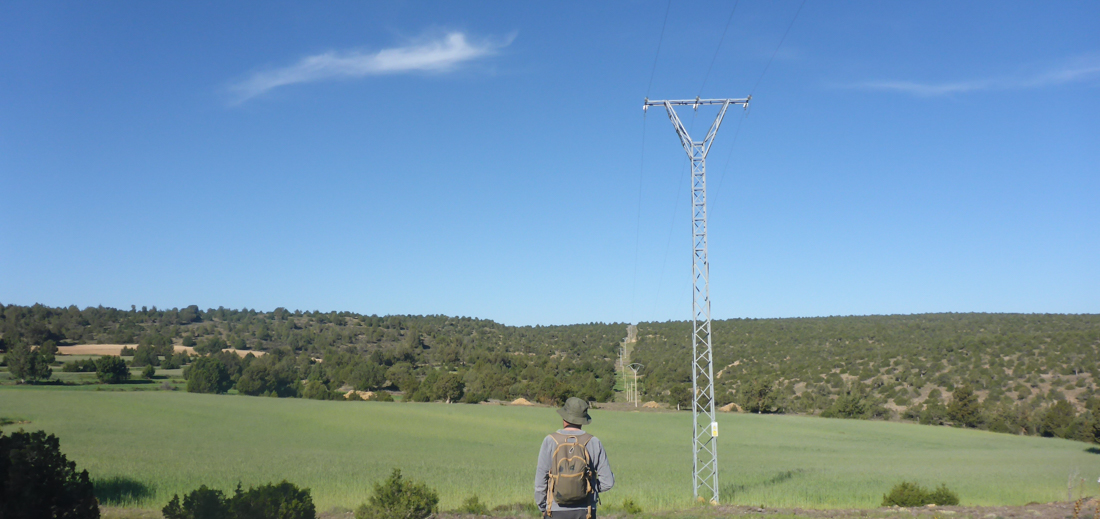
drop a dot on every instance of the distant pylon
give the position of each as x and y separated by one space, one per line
704 423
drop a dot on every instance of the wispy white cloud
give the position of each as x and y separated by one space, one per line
1079 70
439 55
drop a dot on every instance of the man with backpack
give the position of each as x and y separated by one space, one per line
572 468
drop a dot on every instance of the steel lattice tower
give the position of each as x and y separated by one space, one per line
704 424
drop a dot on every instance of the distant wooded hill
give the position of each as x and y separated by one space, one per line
1005 372
1011 368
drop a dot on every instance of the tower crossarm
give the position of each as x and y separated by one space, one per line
697 102
692 148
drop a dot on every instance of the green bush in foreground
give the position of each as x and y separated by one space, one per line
943 496
398 498
201 503
911 494
280 501
37 480
473 505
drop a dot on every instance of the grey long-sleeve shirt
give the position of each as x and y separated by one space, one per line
605 479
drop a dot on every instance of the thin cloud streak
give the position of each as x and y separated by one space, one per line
441 55
1070 74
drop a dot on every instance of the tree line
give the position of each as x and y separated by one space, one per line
1024 373
314 354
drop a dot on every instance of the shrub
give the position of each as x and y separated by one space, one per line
382 396
1057 419
211 345
472 505
201 503
397 498
48 350
964 409
149 371
851 404
317 390
758 396
111 370
37 480
911 494
263 377
171 361
474 398
630 507
448 388
281 501
79 366
421 395
943 496
906 494
934 413
145 355
27 364
208 375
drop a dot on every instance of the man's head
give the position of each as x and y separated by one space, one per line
575 412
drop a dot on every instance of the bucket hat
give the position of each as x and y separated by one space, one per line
575 411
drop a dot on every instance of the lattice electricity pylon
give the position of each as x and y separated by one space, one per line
704 424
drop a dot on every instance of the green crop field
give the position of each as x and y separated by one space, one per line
171 442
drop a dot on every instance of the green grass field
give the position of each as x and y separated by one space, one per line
171 442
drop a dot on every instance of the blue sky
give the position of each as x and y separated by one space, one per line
492 159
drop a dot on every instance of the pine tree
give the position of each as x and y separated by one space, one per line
964 408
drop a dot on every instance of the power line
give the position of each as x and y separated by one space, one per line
733 144
725 168
781 40
638 224
720 40
659 42
641 166
668 241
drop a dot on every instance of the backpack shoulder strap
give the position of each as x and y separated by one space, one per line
584 438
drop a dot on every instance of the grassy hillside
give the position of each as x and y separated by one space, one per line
173 441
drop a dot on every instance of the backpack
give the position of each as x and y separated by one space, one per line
570 482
